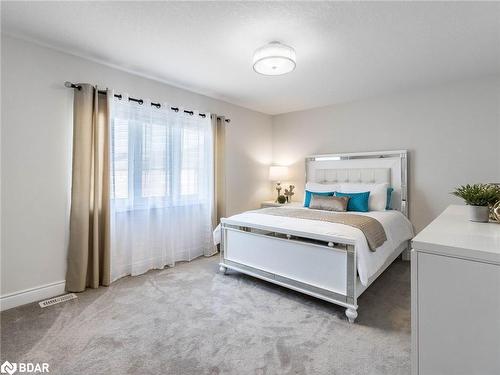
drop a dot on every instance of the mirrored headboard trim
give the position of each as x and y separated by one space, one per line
400 156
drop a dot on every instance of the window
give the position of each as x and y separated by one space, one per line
192 143
153 165
159 157
120 151
162 177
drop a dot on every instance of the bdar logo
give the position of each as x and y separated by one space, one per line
8 368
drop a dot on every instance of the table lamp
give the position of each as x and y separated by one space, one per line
277 174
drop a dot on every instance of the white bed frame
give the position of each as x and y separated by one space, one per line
318 265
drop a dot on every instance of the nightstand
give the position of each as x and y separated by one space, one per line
275 204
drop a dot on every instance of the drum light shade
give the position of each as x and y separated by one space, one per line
278 173
274 59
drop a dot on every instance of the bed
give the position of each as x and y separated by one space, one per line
328 260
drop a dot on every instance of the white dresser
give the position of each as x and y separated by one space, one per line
455 297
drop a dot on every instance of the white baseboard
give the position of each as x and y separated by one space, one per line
38 293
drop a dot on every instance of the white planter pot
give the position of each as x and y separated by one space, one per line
479 214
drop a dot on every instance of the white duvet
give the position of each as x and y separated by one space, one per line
397 228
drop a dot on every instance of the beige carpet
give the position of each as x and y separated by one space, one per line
192 320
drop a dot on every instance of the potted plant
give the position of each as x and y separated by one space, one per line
479 197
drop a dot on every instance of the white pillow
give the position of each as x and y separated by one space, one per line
378 193
316 187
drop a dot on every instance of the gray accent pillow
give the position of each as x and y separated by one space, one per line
327 203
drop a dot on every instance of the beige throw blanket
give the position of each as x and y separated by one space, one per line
371 228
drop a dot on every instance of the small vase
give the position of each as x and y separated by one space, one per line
480 214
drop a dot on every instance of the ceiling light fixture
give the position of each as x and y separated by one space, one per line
274 59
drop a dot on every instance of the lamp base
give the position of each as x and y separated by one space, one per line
278 189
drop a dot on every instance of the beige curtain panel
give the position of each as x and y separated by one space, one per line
219 139
89 242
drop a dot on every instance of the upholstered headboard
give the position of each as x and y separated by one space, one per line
363 167
362 175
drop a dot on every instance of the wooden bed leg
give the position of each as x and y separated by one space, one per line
222 269
351 314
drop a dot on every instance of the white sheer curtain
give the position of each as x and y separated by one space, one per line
161 187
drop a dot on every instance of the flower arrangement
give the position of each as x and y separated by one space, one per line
289 192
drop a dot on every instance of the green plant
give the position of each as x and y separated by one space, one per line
478 194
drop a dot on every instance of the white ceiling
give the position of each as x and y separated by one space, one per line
345 50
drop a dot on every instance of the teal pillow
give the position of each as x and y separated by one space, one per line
357 202
307 200
389 197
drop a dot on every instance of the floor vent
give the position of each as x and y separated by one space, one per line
56 300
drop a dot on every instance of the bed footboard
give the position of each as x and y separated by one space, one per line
313 266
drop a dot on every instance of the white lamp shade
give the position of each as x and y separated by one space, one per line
274 59
278 173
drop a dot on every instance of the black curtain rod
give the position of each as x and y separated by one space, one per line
140 101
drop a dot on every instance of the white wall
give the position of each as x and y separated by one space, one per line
451 132
36 154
